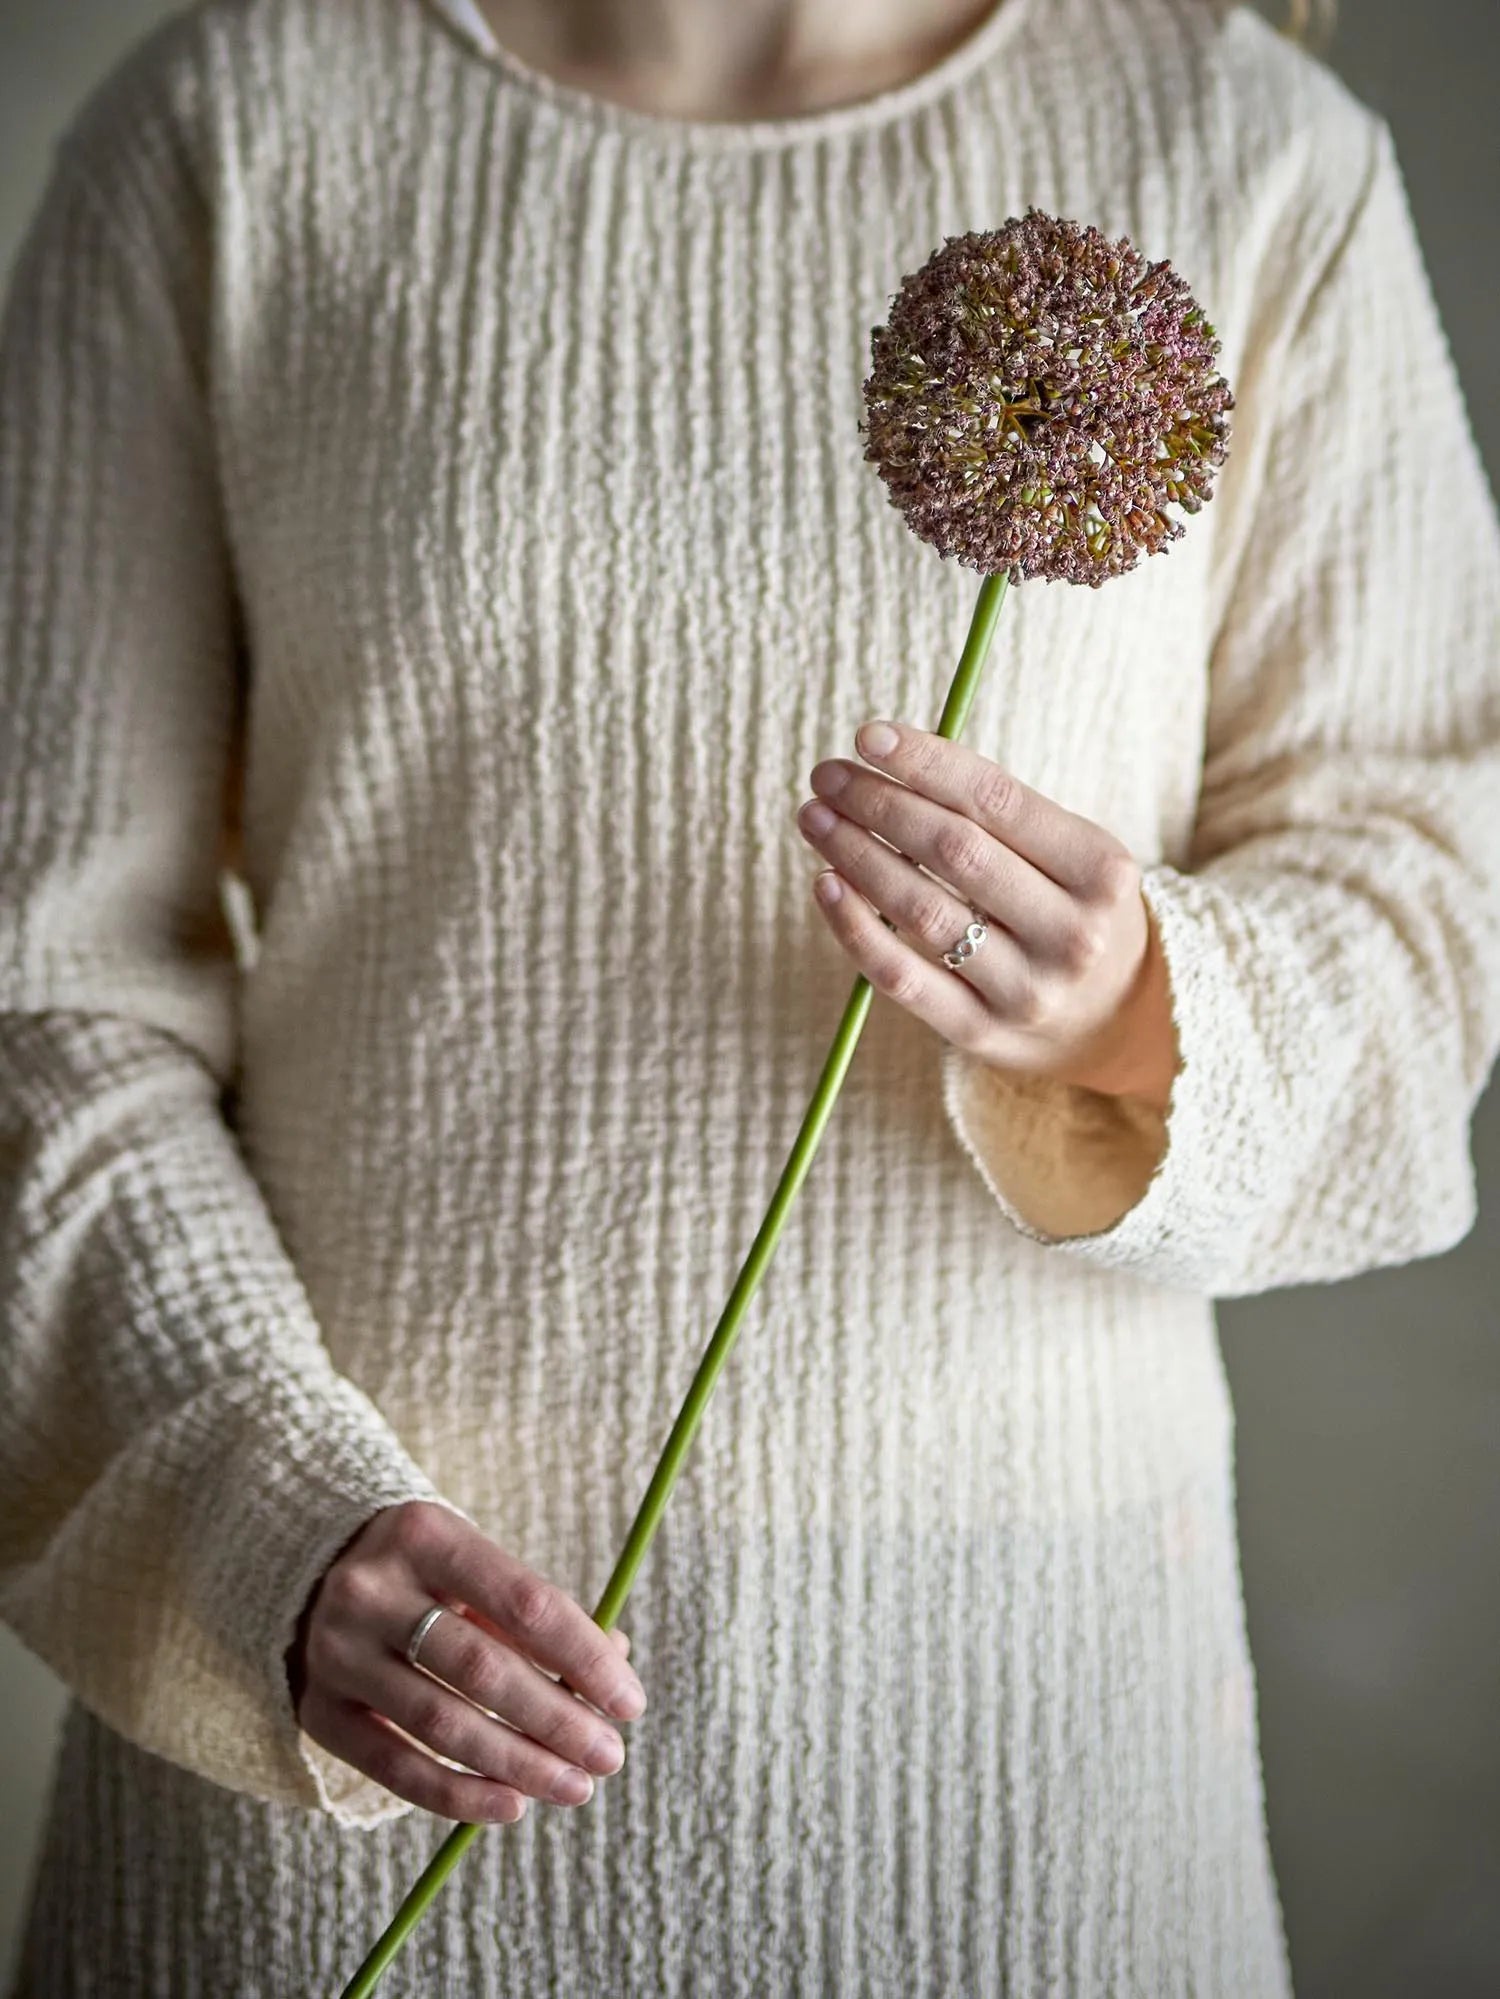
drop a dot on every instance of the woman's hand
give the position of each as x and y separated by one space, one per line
1070 982
350 1678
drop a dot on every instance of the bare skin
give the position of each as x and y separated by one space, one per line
736 59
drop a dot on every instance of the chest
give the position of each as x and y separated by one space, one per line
556 458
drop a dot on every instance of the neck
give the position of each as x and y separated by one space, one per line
733 58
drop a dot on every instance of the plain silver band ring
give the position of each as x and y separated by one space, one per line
423 1625
969 943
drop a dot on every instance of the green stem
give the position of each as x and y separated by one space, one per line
448 1855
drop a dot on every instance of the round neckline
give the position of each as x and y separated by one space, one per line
586 108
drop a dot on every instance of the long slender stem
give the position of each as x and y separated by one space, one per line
955 713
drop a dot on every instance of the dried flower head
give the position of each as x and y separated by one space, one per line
1041 397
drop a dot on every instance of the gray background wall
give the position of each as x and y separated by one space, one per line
1368 1411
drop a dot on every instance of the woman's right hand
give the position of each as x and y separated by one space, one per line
350 1678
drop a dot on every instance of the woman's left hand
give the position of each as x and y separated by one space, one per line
1070 982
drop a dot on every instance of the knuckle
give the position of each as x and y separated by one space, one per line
431 1721
478 1744
532 1772
995 793
352 1590
959 849
1117 874
502 1755
885 974
452 1797
899 982
598 1666
385 1760
578 1738
1084 944
419 1528
878 804
533 1602
932 920
1098 934
478 1670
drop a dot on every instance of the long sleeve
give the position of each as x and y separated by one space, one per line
179 1458
1333 935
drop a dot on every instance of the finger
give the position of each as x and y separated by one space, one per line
534 1615
442 1720
489 1671
982 869
617 1636
922 909
947 1002
361 1738
1064 845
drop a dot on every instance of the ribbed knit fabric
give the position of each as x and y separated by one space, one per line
444 487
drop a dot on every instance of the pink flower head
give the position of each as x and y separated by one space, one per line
1041 397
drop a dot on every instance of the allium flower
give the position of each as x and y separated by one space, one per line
1041 397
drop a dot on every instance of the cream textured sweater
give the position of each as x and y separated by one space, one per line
436 493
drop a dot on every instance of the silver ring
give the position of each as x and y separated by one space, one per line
423 1625
969 943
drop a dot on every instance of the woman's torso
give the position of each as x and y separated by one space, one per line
563 566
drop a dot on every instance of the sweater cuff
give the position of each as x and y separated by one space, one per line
1113 1179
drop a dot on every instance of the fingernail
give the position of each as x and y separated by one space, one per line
816 817
628 1702
827 886
607 1754
876 739
573 1787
